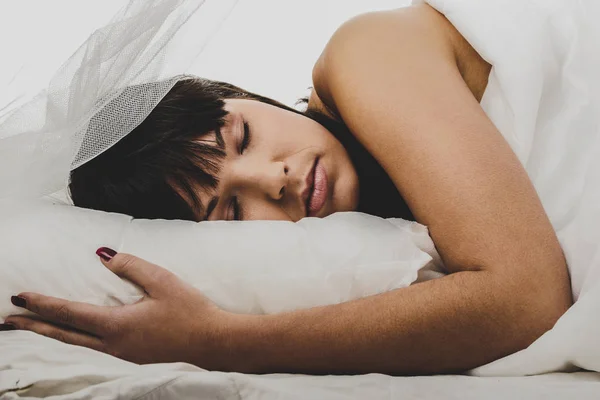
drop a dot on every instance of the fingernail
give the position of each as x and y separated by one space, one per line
18 301
105 253
7 327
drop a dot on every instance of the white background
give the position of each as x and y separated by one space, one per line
266 46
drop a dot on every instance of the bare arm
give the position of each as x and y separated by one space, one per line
393 79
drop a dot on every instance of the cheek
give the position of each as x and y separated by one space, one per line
263 211
305 133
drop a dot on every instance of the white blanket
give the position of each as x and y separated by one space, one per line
544 96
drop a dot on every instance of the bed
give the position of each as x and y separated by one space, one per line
535 116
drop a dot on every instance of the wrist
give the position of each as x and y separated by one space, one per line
237 341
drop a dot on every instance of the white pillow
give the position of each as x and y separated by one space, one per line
246 267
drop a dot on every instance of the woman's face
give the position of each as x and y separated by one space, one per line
279 165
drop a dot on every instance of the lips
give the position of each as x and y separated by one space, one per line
318 190
308 188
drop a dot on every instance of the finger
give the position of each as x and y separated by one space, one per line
150 277
85 317
58 333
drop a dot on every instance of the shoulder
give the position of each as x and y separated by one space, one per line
413 20
415 31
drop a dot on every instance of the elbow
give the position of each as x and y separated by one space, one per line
539 308
543 317
554 296
554 304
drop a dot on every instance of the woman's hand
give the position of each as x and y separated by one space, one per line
174 322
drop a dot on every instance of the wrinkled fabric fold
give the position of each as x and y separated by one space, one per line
543 95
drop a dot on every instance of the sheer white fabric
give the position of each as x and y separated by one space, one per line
115 78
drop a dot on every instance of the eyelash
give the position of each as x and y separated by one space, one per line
236 210
246 138
245 143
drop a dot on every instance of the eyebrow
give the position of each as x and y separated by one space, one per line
215 199
219 139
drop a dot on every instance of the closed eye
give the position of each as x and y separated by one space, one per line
237 212
246 138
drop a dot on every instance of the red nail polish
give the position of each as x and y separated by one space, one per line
18 301
105 253
7 327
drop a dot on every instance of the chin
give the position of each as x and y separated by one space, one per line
348 199
347 203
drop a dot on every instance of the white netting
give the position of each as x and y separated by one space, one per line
116 77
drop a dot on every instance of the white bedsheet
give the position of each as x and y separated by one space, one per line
69 372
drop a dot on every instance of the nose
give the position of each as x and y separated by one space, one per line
270 178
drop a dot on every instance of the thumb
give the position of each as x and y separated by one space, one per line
150 277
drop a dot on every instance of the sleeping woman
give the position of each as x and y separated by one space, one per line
393 127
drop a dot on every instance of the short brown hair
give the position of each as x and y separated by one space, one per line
152 171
